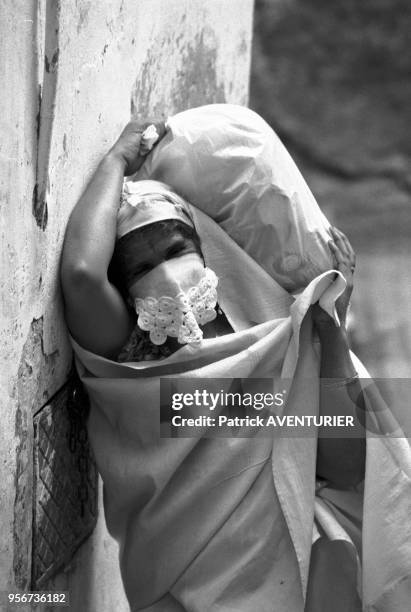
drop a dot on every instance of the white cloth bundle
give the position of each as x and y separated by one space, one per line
228 162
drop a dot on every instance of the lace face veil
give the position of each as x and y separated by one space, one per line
180 316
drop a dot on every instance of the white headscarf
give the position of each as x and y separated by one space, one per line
145 202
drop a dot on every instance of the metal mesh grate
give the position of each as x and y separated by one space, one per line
65 482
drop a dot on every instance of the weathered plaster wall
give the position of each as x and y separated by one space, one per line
74 73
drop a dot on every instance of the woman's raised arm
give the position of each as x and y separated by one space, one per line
96 314
340 459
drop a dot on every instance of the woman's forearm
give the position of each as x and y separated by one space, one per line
335 353
340 459
91 229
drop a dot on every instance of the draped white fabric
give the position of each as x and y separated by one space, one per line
229 524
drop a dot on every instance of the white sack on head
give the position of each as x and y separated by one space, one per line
227 161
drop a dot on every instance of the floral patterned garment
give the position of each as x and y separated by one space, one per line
140 348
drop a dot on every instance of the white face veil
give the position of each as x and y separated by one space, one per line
180 316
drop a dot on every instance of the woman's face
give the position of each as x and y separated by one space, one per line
167 264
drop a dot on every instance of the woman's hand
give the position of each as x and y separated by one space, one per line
130 146
344 259
340 459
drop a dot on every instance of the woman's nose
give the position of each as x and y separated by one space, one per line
177 275
168 277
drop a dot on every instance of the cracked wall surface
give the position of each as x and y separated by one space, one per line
75 72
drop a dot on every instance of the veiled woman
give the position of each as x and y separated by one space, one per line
205 523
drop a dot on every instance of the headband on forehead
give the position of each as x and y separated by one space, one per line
145 202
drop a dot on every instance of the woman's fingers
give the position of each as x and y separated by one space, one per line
339 255
344 258
136 141
334 251
348 248
341 249
341 240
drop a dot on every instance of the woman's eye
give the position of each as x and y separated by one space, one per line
175 250
142 270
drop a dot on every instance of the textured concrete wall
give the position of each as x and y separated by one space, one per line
75 72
